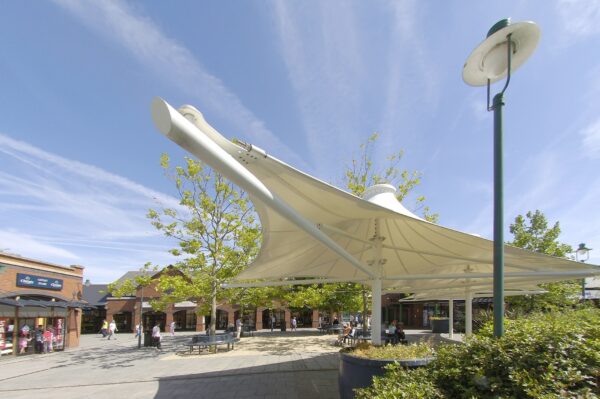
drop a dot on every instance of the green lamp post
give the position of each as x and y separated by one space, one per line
507 47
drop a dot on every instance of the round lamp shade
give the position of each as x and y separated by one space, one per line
489 61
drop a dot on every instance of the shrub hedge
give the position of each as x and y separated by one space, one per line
551 355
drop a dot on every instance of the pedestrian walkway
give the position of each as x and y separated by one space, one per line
302 364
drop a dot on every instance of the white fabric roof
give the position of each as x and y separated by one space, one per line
418 256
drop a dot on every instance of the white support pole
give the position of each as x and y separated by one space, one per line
451 318
188 136
468 314
376 312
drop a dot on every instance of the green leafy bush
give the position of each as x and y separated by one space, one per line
399 352
554 355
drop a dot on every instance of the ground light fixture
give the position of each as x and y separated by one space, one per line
507 47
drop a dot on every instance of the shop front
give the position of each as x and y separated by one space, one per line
33 325
40 306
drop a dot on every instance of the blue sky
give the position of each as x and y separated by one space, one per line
306 80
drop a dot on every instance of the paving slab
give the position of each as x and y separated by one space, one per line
302 364
266 365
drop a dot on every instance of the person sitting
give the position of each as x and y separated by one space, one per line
392 328
400 335
400 332
335 322
347 333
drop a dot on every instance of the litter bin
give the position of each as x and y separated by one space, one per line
148 338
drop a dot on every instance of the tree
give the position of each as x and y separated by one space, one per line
363 173
216 230
128 287
359 175
534 234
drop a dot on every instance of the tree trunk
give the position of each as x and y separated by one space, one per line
364 315
213 310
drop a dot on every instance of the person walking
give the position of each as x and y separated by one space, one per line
23 343
294 323
272 322
156 336
238 328
138 330
172 328
47 340
112 328
104 329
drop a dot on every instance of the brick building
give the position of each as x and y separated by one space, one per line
35 293
126 312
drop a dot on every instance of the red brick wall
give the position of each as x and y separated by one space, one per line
114 306
72 285
73 327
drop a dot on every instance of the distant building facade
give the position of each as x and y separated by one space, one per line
126 312
95 312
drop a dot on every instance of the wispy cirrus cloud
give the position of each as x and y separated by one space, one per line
591 140
175 64
65 211
351 80
324 65
580 17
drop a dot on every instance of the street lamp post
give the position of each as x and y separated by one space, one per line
582 254
140 325
506 48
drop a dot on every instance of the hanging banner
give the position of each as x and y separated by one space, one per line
32 281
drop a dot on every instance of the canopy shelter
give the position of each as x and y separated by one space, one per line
314 232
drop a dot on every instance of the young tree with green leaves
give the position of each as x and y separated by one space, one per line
532 233
363 173
216 230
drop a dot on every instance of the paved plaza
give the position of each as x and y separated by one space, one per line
301 364
269 365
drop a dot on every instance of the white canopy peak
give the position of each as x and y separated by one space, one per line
384 195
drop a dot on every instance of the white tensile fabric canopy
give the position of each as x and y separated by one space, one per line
316 232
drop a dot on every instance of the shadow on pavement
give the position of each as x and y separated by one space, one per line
290 380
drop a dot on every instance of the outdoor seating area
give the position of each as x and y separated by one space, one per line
331 329
211 342
358 335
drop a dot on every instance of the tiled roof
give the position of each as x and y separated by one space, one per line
95 294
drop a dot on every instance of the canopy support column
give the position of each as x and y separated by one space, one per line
468 314
376 312
451 318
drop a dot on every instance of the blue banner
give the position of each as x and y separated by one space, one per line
31 281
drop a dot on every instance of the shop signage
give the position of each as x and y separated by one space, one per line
31 281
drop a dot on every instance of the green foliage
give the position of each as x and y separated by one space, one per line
217 233
363 173
336 297
128 287
547 355
400 352
534 234
401 383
